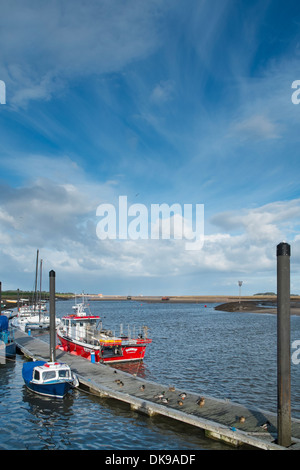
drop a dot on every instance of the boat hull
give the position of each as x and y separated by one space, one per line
53 390
125 353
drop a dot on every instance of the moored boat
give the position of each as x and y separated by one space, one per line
51 379
30 318
7 341
82 334
33 317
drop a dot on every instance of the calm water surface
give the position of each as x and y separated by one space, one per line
225 355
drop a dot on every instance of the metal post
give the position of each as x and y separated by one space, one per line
52 314
240 290
0 298
40 293
283 345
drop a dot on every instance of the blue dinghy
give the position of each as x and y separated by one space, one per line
52 379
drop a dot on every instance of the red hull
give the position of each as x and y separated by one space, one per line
125 353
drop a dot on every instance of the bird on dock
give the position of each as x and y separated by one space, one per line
201 401
142 388
171 389
182 396
159 396
165 400
121 383
242 419
265 425
180 402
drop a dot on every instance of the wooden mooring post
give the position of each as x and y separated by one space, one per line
52 315
283 345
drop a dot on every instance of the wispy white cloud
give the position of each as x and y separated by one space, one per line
65 42
247 244
256 128
162 92
258 219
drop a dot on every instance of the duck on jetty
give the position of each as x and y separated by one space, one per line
183 395
201 401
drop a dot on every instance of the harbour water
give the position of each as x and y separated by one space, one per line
226 355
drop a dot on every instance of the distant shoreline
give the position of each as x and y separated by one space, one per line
185 298
252 304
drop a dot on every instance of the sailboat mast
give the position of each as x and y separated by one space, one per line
36 276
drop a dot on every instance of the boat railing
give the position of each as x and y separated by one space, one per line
93 335
134 332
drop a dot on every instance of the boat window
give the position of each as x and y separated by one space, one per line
36 375
64 373
49 374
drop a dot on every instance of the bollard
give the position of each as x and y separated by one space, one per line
52 315
283 346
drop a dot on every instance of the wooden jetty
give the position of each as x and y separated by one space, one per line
230 422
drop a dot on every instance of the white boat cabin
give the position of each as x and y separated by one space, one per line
51 372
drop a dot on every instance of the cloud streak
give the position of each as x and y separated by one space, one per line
67 41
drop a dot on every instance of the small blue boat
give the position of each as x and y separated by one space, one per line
51 379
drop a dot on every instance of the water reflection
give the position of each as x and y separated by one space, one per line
48 418
138 369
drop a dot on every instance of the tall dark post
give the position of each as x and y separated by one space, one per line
0 298
283 345
52 314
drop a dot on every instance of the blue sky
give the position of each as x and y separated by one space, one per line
161 101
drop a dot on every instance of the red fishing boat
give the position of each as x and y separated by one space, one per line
82 334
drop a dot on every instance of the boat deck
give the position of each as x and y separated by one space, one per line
220 419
